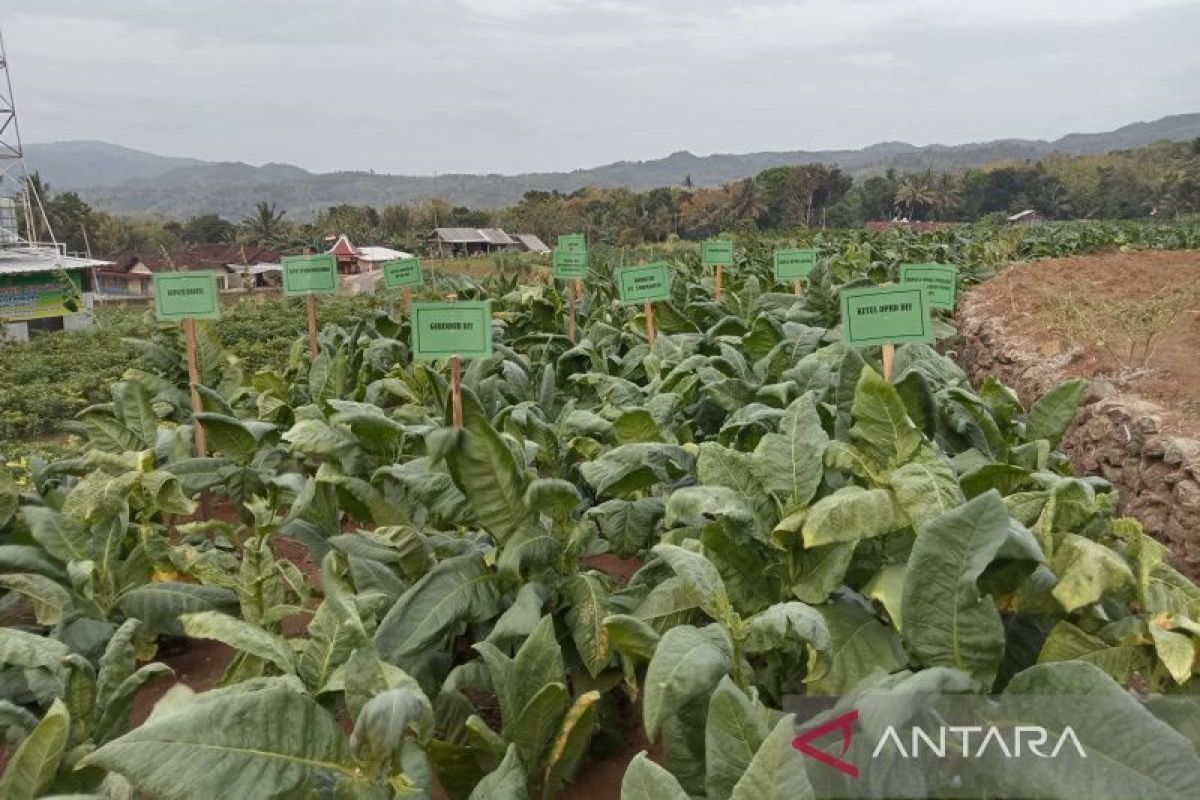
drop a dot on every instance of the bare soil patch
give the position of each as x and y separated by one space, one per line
1110 296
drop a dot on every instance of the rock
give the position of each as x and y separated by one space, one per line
1147 425
1180 451
1100 389
1155 448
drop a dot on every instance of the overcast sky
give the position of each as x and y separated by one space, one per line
421 86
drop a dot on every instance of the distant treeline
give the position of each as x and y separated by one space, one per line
1162 181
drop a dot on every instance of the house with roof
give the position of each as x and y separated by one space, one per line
237 266
470 241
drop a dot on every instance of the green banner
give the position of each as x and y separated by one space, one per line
572 243
37 295
310 274
402 272
186 295
886 315
442 330
570 264
793 264
644 283
941 280
716 252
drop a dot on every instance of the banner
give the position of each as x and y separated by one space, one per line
39 295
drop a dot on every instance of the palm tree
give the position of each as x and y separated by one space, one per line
912 194
264 225
944 194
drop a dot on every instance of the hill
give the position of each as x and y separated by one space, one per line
130 181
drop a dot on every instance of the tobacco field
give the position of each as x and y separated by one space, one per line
673 539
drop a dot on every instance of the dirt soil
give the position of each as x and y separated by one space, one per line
1026 302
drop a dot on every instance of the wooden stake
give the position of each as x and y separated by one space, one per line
456 413
193 365
889 361
310 303
406 296
649 311
796 286
718 292
573 298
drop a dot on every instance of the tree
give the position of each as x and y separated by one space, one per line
265 225
207 229
913 195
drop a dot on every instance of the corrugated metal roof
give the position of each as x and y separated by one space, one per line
532 243
496 236
474 236
29 260
376 253
460 235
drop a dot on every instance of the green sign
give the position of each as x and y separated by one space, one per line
570 264
186 295
402 272
645 284
36 295
794 265
886 314
941 280
716 252
572 243
310 274
442 330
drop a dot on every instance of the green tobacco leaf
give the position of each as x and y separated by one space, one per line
849 515
228 436
633 467
926 487
50 600
273 742
823 569
636 425
645 780
456 589
887 587
539 720
586 618
861 646
686 664
734 732
114 713
1120 662
484 469
785 626
33 766
505 782
30 651
701 579
790 463
59 535
947 622
553 497
627 526
240 635
1086 571
776 773
1053 413
1130 752
882 429
537 663
630 636
159 605
1175 650
385 721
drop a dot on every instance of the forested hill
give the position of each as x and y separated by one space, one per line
128 181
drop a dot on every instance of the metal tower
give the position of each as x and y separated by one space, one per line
11 159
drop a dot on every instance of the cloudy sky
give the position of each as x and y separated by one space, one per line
422 86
